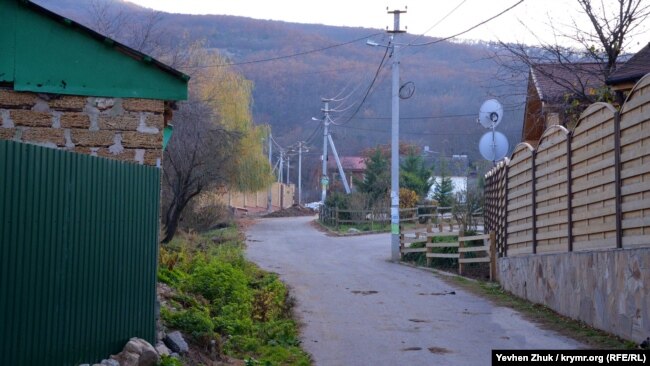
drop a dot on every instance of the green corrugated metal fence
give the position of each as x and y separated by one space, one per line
78 247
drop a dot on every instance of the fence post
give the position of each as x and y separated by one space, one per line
428 250
337 218
461 244
493 255
534 204
401 246
617 179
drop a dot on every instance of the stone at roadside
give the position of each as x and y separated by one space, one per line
353 231
137 352
176 342
110 363
162 349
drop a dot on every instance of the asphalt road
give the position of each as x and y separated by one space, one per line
359 309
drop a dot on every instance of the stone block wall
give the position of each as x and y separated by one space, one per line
609 289
122 129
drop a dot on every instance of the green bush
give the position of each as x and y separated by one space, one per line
169 361
219 295
193 321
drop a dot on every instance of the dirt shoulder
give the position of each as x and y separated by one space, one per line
539 314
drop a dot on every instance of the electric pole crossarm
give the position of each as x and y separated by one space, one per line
338 163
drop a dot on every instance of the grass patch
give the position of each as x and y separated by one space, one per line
221 299
543 315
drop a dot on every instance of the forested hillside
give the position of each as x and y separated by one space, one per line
451 79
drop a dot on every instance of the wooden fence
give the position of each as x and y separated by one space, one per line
588 189
425 237
378 218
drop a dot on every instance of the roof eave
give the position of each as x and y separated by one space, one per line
135 54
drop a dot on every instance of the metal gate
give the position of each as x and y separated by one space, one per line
78 249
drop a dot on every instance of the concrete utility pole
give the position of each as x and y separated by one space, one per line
394 152
269 202
338 164
300 146
327 137
281 170
324 182
288 167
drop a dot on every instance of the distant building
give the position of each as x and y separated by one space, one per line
623 79
353 167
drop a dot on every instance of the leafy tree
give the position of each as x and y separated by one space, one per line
376 181
443 190
215 145
414 175
407 198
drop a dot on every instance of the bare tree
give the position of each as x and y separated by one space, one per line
611 31
198 158
141 30
580 68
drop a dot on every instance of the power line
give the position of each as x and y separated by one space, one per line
430 117
381 64
468 29
284 56
436 23
408 133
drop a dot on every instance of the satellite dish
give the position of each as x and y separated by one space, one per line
493 146
491 113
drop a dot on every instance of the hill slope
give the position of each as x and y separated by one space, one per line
451 79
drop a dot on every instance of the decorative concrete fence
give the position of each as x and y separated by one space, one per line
582 199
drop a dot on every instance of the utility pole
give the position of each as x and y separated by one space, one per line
281 170
288 167
300 145
269 201
326 123
394 152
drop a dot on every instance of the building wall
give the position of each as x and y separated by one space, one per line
606 289
122 129
534 121
283 196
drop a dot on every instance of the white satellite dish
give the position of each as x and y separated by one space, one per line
490 114
493 146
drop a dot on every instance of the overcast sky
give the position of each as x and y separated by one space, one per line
532 16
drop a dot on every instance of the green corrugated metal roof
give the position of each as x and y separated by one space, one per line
41 51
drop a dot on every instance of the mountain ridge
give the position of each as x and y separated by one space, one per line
451 78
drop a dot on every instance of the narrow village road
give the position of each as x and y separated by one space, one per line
359 309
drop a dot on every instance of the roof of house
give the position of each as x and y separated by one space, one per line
634 69
554 81
44 52
350 163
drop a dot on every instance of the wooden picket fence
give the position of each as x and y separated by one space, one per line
425 235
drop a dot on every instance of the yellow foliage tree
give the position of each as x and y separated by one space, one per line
229 95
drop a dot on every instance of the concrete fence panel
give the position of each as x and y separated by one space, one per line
551 198
635 166
520 201
593 179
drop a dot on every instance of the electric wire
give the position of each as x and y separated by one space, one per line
436 23
407 132
228 64
468 29
381 64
